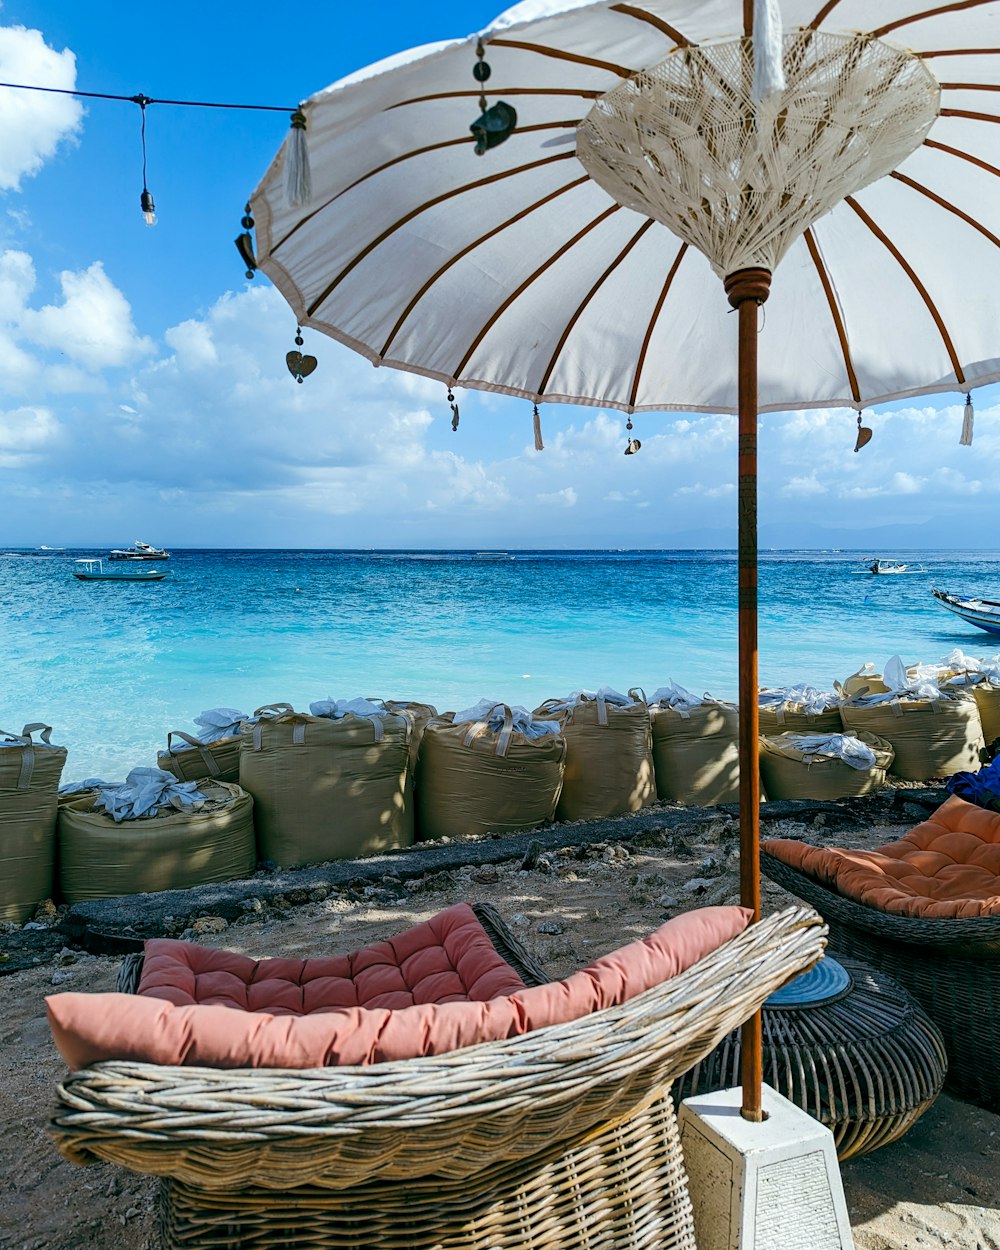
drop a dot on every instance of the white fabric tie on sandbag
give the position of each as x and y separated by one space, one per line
678 699
492 715
803 696
604 698
91 783
835 746
145 791
335 709
902 684
218 722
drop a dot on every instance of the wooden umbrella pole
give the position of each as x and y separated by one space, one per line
747 289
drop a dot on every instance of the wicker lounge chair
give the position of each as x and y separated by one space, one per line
564 1137
951 967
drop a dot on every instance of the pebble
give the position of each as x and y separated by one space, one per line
697 885
519 921
550 926
251 904
668 900
210 924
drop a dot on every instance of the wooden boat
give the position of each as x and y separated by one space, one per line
985 613
884 566
92 574
139 551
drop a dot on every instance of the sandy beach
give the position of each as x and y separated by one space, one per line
939 1185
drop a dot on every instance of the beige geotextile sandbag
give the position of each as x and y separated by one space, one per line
471 779
789 772
172 850
696 753
219 760
419 714
864 681
609 755
327 788
987 697
29 784
930 737
792 715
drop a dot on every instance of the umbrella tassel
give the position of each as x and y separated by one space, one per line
768 61
967 420
454 411
539 445
298 176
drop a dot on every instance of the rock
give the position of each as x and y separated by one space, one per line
519 921
66 956
210 924
60 976
251 904
550 926
487 875
46 911
697 885
668 900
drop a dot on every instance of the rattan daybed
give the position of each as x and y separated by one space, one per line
951 967
561 1138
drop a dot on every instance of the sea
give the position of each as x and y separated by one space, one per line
114 667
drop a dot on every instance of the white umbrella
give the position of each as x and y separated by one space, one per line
659 147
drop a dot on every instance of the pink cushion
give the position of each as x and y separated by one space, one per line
448 958
89 1028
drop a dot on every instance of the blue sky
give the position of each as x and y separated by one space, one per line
125 352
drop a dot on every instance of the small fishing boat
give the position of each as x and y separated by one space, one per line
985 613
886 566
94 572
139 551
491 555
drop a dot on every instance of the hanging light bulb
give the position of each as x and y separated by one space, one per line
148 207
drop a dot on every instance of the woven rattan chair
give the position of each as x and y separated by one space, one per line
559 1139
951 967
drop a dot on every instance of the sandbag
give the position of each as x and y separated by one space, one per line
609 754
987 696
931 737
419 714
29 786
798 709
696 752
790 772
219 760
864 681
327 788
173 850
475 779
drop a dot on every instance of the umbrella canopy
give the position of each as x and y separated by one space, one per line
519 273
660 146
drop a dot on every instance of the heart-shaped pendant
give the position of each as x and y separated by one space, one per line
300 366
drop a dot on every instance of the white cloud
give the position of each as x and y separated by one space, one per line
804 487
24 433
33 123
93 325
719 491
565 498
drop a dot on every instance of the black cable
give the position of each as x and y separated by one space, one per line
143 100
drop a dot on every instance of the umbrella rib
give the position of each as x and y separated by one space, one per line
558 54
824 13
838 321
568 330
965 156
969 86
954 7
663 27
476 93
912 275
453 260
560 252
652 325
405 156
952 208
976 117
421 208
925 56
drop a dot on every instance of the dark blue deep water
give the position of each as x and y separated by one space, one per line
114 667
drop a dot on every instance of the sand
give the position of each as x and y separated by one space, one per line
939 1185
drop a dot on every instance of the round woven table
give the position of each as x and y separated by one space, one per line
847 1044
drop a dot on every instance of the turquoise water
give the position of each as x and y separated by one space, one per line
114 667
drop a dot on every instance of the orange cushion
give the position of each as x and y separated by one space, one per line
948 867
89 1028
446 959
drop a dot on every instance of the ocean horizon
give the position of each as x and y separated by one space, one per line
114 667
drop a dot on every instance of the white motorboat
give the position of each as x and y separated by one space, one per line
139 551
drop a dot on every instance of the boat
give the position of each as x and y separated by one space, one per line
491 555
97 574
139 551
886 566
44 548
985 613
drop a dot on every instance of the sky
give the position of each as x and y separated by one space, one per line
143 388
